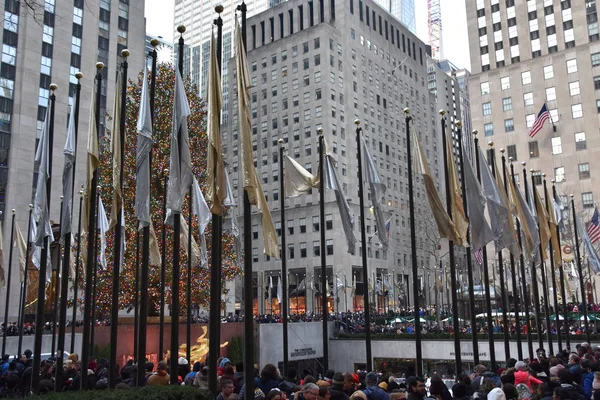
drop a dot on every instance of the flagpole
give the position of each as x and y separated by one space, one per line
23 294
552 265
76 278
469 258
534 283
175 308
513 274
215 255
413 246
526 298
7 301
580 272
95 278
505 302
91 232
39 317
283 308
117 250
324 307
188 295
453 283
248 284
56 287
136 302
561 276
363 249
543 272
486 274
66 264
163 270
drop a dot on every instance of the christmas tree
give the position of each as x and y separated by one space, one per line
162 126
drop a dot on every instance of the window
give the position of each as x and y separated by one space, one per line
537 177
509 125
584 170
505 83
559 174
577 111
328 222
329 245
507 103
487 108
316 248
548 72
511 151
574 88
255 254
302 224
595 59
556 145
551 93
528 99
302 249
572 66
526 76
587 198
488 129
315 223
534 150
580 143
485 88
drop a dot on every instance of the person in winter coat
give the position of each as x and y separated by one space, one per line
575 368
569 388
161 377
337 387
269 378
522 376
373 391
416 388
587 377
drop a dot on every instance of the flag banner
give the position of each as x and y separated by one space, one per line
279 293
183 237
528 223
593 229
478 255
459 218
589 247
249 178
142 157
123 238
270 287
202 212
552 224
2 273
180 161
67 176
229 200
22 246
481 233
538 124
117 157
377 189
297 179
232 218
103 226
216 186
544 230
445 225
40 203
91 166
327 289
332 181
337 286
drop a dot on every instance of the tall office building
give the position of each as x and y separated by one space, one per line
40 48
198 17
403 10
525 54
324 64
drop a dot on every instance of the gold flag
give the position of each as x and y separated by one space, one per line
183 237
250 180
542 223
115 141
459 218
22 245
445 226
554 234
216 187
155 258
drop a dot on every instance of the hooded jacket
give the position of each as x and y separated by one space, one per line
526 378
376 393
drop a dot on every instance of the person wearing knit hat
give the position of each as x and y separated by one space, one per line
337 387
322 382
522 376
554 370
496 394
358 395
373 391
383 385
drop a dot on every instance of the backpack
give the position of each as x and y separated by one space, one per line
523 390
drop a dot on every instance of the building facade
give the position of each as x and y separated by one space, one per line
403 10
525 54
40 48
322 65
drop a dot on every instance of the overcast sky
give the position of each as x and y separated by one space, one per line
455 47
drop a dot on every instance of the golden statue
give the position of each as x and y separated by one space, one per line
198 351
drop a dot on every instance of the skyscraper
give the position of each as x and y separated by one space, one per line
325 64
403 10
525 54
40 48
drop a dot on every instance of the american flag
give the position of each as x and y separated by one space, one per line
388 225
478 256
542 116
593 229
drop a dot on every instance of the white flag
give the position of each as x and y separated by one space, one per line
142 158
67 178
103 226
40 203
280 293
378 189
202 212
22 246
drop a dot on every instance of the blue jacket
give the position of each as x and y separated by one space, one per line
575 370
376 393
588 380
